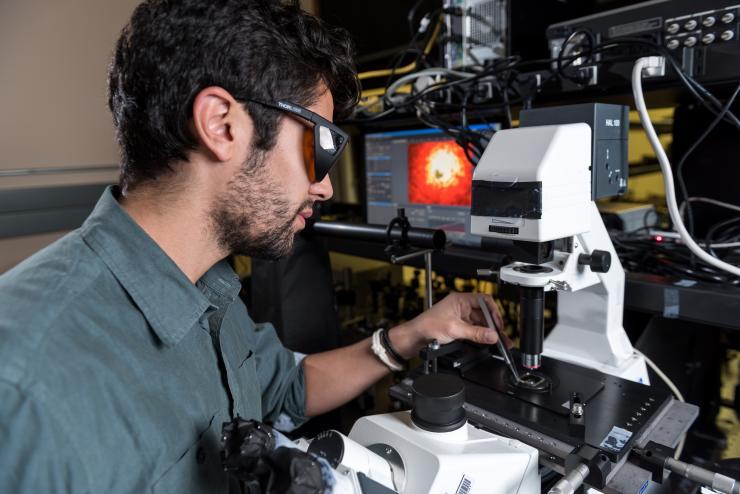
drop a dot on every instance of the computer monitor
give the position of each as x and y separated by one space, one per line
425 172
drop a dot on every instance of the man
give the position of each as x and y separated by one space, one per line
124 346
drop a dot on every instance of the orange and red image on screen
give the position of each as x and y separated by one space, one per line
439 173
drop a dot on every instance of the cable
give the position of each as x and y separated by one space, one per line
412 14
727 245
662 376
700 93
665 258
708 200
692 148
665 166
718 226
372 74
692 85
503 75
559 64
674 389
423 73
706 99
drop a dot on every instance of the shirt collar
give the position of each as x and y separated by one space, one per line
166 297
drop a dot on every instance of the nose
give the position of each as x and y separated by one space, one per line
321 191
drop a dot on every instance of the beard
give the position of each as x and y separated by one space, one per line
254 218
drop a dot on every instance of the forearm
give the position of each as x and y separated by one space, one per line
335 377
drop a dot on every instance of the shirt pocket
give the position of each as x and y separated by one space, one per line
247 385
199 468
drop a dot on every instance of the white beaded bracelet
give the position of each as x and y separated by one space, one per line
379 351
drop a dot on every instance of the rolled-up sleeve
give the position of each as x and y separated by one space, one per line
36 454
281 378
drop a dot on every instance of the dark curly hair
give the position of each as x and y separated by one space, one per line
260 49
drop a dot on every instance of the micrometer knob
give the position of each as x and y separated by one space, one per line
599 261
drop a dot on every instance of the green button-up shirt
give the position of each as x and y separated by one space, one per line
109 366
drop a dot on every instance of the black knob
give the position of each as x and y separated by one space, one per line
438 402
599 261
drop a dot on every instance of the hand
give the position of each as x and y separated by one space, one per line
457 316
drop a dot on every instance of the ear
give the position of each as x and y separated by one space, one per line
219 123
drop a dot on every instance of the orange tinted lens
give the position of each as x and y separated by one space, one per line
308 154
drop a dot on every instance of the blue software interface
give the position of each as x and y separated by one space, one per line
425 172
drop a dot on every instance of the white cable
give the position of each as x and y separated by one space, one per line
715 202
674 390
665 167
728 245
708 200
662 376
674 235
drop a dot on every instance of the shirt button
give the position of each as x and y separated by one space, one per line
200 455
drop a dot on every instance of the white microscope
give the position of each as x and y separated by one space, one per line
536 185
431 449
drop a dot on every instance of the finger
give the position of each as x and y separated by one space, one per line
478 334
495 313
476 317
473 300
492 309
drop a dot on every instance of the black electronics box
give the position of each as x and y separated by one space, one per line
609 130
702 36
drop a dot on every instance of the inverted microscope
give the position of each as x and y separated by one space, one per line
579 402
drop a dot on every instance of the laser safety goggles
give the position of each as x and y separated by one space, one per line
322 145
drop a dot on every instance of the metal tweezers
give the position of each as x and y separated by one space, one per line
500 343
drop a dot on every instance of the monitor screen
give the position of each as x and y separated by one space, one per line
425 172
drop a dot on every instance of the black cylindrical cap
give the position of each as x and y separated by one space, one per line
438 402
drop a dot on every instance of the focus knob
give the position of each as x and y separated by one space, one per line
329 445
438 402
599 261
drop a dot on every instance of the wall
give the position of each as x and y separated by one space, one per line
53 61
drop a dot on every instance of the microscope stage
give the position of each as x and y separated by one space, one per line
616 410
493 373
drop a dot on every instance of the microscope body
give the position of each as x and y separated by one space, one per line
533 185
468 459
432 449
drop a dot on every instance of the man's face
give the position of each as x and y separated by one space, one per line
270 197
